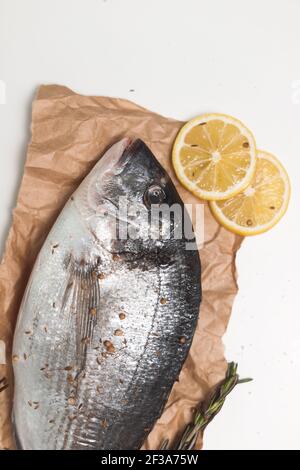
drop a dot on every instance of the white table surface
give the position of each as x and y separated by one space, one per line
183 58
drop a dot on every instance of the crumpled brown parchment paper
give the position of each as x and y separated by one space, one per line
69 133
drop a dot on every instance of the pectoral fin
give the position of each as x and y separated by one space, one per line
81 304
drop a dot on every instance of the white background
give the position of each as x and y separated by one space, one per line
183 58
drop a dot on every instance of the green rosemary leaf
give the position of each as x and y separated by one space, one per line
208 410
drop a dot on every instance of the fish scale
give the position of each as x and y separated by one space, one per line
111 319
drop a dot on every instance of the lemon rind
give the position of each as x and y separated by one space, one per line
248 231
192 187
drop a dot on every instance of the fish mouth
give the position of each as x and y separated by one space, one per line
135 146
126 150
132 148
137 154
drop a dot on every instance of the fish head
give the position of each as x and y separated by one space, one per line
134 208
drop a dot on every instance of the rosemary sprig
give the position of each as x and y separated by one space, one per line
3 384
208 410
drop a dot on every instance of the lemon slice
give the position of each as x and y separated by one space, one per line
214 156
262 204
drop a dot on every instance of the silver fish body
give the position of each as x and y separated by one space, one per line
106 321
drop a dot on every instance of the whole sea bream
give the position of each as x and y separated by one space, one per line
109 312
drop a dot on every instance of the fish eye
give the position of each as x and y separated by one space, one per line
154 195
